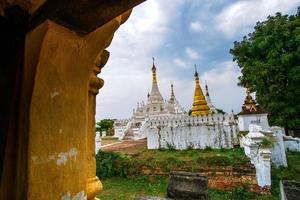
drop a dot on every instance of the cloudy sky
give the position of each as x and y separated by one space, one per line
179 34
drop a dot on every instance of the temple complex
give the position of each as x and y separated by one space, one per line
155 106
200 106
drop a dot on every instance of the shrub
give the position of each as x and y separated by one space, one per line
110 164
241 193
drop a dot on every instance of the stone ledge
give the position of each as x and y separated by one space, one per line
150 198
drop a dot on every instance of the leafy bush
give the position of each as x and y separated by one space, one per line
241 193
109 164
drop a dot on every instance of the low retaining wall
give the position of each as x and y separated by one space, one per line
223 178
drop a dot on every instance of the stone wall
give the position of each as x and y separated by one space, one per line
182 132
259 155
291 143
221 177
278 148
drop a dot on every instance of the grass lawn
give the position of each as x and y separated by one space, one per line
118 188
122 180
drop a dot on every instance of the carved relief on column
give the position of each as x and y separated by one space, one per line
94 185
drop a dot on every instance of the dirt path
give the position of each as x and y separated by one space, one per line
126 146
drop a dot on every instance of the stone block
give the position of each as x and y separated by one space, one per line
290 190
187 186
150 198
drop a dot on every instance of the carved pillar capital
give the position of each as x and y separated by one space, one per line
97 83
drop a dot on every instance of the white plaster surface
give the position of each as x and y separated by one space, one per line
259 156
259 119
63 157
97 142
79 196
292 143
182 132
278 149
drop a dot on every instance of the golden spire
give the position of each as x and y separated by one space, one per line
155 94
153 72
206 88
199 105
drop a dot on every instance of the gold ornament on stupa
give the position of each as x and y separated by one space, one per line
249 105
200 106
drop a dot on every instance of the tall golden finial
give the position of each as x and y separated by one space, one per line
199 105
196 73
206 88
153 66
153 72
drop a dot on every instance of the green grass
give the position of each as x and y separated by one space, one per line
290 173
110 164
206 157
128 188
239 193
127 182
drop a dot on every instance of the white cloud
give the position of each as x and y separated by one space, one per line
191 53
180 63
196 26
222 82
241 16
127 74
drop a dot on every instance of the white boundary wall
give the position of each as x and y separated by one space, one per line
182 132
291 143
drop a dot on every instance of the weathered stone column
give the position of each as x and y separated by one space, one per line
59 88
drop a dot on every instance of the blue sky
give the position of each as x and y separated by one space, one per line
179 34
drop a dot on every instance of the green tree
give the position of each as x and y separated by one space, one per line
104 125
269 59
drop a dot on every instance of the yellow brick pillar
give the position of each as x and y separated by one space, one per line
59 87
